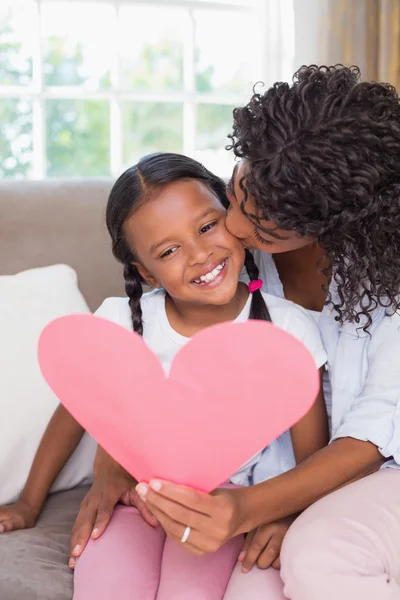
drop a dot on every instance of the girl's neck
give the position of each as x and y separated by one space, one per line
188 319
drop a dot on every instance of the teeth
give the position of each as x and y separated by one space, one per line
213 274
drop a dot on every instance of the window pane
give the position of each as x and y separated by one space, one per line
246 3
214 123
15 137
78 133
17 39
77 44
224 48
152 47
151 127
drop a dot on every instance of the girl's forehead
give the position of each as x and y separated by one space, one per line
187 197
176 206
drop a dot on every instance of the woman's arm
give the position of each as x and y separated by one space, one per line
311 433
344 461
59 441
368 436
220 516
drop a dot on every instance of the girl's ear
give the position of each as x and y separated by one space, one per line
146 275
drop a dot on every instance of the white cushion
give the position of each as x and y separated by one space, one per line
28 301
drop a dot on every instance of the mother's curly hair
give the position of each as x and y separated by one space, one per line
324 161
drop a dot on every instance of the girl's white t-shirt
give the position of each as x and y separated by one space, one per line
165 342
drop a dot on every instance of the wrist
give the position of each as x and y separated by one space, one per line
105 467
103 463
253 504
35 506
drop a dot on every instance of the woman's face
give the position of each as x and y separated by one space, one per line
243 228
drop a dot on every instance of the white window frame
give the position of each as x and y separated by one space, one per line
269 46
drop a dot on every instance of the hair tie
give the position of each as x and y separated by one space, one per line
255 285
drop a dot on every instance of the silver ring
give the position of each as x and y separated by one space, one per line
186 534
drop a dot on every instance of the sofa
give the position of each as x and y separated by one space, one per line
46 223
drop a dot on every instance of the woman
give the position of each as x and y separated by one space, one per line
317 195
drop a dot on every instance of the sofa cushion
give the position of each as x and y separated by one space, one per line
60 221
34 562
28 301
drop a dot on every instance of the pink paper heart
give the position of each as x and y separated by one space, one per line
231 391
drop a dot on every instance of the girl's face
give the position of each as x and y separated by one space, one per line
243 228
181 243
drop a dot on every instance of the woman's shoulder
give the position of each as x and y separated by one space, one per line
117 309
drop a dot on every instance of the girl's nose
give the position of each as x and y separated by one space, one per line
199 253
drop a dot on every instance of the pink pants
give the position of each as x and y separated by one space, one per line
133 561
344 547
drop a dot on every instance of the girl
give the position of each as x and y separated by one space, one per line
316 194
166 218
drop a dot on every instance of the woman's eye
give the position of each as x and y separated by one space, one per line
261 239
208 227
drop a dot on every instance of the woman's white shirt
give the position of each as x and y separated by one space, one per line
363 369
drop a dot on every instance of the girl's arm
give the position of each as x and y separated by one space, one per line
311 433
59 441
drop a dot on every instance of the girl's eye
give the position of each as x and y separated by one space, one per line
208 227
168 252
260 239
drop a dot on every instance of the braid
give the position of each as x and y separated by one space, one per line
134 290
258 309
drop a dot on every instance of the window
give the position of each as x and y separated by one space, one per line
87 87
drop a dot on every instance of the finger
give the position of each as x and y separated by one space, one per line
188 497
12 524
81 531
248 539
257 545
180 514
197 543
270 553
104 514
146 514
277 563
72 563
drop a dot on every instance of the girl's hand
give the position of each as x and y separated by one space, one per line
110 487
17 516
263 545
213 518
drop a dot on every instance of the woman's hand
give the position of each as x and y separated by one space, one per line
17 516
112 484
263 545
213 518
